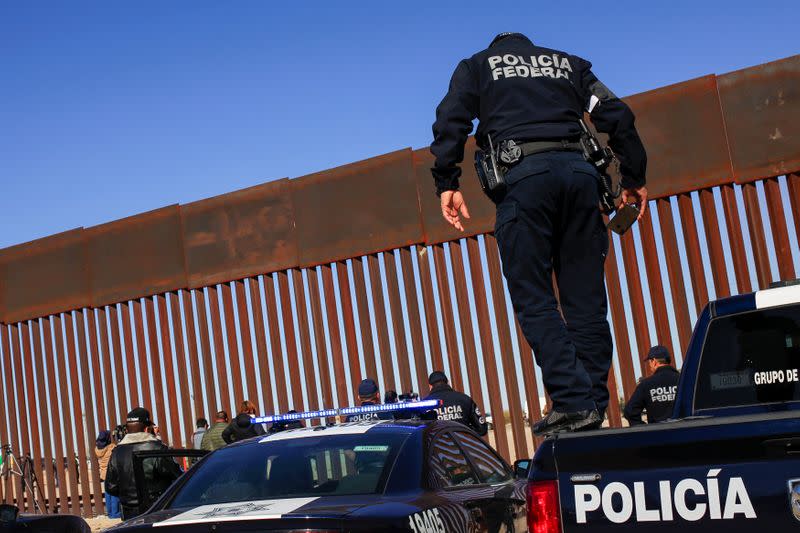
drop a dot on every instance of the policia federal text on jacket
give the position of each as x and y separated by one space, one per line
548 218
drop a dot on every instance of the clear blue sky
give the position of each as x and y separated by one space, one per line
108 109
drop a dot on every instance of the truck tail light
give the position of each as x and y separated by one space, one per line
544 514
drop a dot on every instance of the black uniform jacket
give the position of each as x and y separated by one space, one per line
241 428
656 395
523 92
458 407
159 472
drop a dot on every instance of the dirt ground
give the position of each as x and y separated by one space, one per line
101 523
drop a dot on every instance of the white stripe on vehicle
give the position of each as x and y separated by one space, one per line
779 296
228 512
348 428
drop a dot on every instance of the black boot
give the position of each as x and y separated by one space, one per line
557 421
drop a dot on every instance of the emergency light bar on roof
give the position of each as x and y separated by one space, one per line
423 405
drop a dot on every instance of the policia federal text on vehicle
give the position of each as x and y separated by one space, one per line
548 209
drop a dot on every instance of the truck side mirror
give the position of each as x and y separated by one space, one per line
521 467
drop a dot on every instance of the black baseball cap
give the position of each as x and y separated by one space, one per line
659 353
139 414
367 387
436 377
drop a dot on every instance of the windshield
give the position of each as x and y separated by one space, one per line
299 467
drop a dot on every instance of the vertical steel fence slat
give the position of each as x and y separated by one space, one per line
319 338
757 237
187 374
167 377
734 227
106 356
793 186
13 408
379 308
211 377
635 294
275 343
59 466
261 345
78 415
24 421
337 352
780 232
680 305
130 355
90 424
470 348
95 358
158 387
219 352
398 323
309 374
614 415
362 304
415 324
719 272
65 374
448 317
292 354
618 322
348 318
531 387
237 380
694 256
34 422
141 354
488 355
506 349
429 307
44 422
654 282
247 345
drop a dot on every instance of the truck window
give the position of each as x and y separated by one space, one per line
750 359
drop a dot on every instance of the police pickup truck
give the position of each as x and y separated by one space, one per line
728 461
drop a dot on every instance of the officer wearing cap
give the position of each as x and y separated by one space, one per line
548 220
159 472
456 406
369 394
654 394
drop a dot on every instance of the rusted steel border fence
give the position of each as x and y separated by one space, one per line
290 292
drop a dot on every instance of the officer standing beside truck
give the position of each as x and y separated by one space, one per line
548 220
656 393
456 405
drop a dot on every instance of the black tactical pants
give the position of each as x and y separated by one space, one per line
548 221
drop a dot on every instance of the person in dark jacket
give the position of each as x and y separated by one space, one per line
654 394
457 406
369 394
241 427
548 217
104 447
159 473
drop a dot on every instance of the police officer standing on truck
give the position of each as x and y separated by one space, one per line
654 394
548 218
457 406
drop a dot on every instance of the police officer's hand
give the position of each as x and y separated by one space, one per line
637 196
453 204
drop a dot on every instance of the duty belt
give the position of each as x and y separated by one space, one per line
537 147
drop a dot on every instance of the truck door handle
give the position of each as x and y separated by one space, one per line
790 446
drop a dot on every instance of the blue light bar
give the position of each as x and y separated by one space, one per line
345 411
